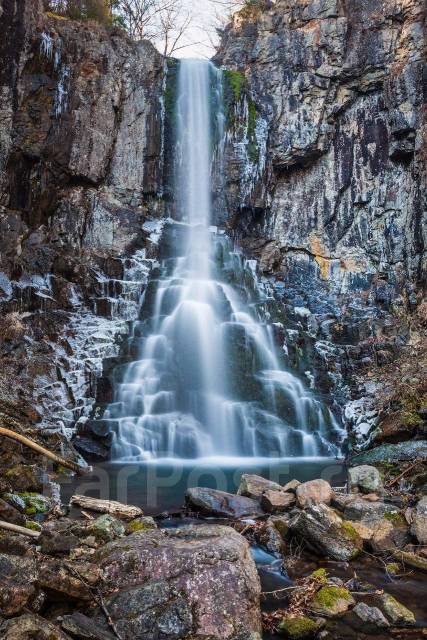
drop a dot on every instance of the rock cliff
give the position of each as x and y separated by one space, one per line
81 177
325 166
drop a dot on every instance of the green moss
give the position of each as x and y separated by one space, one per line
322 574
395 517
32 525
298 628
137 525
327 597
34 503
236 81
350 531
393 568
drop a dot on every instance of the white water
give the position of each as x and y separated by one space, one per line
205 382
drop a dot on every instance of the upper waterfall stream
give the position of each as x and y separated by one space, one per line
206 380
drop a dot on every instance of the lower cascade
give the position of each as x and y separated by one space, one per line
207 380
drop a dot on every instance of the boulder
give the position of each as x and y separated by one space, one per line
369 619
396 612
31 626
18 583
325 533
276 501
196 581
366 512
331 601
365 478
419 521
253 486
390 533
106 528
144 523
221 504
314 492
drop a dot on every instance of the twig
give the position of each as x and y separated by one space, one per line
98 597
401 475
8 433
17 529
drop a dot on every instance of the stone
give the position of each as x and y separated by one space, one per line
221 504
276 501
31 626
84 628
365 478
35 503
253 486
106 528
331 601
291 486
73 580
369 619
18 585
366 512
269 537
9 513
196 581
144 523
396 612
281 523
419 521
314 492
389 533
366 533
325 533
299 627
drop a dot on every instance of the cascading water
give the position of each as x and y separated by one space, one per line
206 380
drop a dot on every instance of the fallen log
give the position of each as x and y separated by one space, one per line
117 509
17 529
13 435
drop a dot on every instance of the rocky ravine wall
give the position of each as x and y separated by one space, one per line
81 175
325 160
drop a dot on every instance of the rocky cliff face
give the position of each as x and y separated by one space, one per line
325 159
81 177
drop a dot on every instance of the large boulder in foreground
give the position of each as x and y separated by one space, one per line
219 503
182 583
325 533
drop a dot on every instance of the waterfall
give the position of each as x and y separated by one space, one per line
203 379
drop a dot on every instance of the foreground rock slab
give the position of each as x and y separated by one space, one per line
190 582
221 504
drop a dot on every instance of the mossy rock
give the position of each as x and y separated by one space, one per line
145 523
396 612
331 601
33 526
106 528
393 568
396 518
35 503
299 627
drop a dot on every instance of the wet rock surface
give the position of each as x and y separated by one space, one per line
191 581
